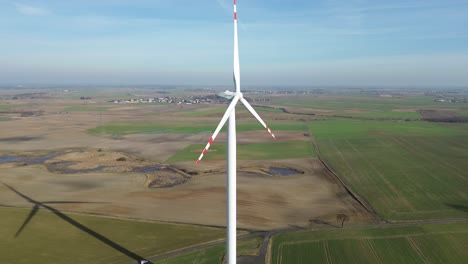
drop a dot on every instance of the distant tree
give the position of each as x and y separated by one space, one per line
342 218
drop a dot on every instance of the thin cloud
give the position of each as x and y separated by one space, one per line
224 5
31 10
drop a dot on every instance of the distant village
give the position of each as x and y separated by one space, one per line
171 100
450 100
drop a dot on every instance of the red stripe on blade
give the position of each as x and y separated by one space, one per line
204 151
235 16
210 141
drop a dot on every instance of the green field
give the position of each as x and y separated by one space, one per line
389 115
7 107
425 243
82 108
87 239
253 151
203 112
353 102
5 118
213 255
220 111
464 112
404 170
187 127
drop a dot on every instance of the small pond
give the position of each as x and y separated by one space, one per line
147 169
63 167
28 160
276 171
8 159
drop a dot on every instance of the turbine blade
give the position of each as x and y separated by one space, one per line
30 216
71 202
250 108
20 194
220 125
236 53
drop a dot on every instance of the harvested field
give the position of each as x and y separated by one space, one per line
443 116
121 170
54 131
264 202
253 151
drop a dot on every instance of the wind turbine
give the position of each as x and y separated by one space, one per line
230 115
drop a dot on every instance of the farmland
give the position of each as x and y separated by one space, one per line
139 161
7 107
185 127
389 115
84 109
245 247
405 171
220 111
364 102
88 239
253 151
424 243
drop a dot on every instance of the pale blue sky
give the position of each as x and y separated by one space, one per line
289 42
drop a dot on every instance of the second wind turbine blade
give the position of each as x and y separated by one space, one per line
254 113
30 216
220 125
72 202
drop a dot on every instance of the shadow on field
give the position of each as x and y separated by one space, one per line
459 207
69 220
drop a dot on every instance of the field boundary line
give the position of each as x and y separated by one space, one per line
366 240
422 211
417 249
372 249
462 245
188 249
372 237
327 252
200 255
279 259
269 251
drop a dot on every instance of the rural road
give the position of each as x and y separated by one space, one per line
260 259
265 234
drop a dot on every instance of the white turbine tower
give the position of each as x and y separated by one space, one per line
231 151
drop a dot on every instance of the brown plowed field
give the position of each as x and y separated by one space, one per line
264 201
